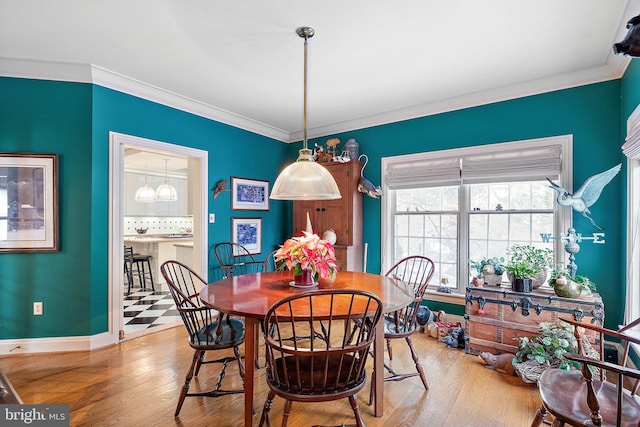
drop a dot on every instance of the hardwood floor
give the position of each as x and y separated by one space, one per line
137 382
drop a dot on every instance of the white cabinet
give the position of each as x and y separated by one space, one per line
133 181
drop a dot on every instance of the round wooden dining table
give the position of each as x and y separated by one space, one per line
251 295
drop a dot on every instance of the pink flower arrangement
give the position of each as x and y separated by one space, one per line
308 252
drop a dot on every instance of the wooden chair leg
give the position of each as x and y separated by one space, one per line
416 359
389 349
286 412
541 414
265 410
356 411
187 381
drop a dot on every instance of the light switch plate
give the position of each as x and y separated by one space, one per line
37 308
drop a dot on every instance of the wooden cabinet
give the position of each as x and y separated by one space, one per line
343 215
495 316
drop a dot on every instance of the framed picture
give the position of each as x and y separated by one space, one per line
248 233
249 194
28 202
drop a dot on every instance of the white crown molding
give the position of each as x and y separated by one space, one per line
47 70
499 94
84 73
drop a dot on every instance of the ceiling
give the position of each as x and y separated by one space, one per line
370 62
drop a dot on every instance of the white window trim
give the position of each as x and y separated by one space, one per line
563 216
631 149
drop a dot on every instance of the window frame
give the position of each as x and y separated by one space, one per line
562 217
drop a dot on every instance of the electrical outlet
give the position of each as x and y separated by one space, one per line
37 308
212 218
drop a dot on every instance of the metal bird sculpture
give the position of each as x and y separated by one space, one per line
219 188
587 194
364 185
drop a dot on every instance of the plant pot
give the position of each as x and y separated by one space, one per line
540 278
304 279
567 289
521 285
492 279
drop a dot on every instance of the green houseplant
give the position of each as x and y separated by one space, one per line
489 270
545 350
526 265
570 287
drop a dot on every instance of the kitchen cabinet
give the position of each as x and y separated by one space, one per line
343 215
134 180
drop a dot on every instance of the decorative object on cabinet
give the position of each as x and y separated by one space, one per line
587 194
352 148
495 317
249 194
219 188
31 184
248 233
332 146
489 270
343 215
364 185
526 264
570 287
145 194
165 191
305 179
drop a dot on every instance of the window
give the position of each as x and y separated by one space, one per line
462 204
631 149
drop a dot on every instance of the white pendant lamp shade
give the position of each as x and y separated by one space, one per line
165 192
305 179
145 194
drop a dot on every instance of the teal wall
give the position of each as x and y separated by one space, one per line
50 117
591 113
73 120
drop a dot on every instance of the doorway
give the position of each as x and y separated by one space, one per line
196 161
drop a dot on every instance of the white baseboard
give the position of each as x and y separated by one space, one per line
57 344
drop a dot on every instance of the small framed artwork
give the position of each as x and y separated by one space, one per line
248 233
28 202
249 194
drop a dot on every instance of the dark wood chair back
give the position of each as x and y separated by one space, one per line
208 329
598 391
234 259
313 353
417 271
269 263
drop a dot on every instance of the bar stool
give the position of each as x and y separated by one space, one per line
143 266
140 265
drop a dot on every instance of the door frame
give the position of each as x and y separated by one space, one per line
198 166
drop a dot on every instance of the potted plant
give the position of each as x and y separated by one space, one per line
570 287
528 264
545 350
489 270
308 256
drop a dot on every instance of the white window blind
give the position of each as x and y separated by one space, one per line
502 165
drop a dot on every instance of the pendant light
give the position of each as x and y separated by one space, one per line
165 192
145 194
305 179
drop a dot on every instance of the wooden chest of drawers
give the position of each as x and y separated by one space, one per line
495 316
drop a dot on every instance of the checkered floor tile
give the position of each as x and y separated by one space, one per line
146 309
